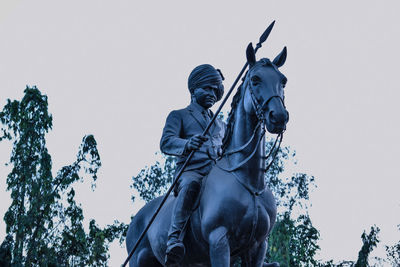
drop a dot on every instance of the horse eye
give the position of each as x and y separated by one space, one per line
255 80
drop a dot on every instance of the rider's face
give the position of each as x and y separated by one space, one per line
206 96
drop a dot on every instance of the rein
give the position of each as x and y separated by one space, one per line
261 123
233 151
248 157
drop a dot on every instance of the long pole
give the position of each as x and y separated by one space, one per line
262 39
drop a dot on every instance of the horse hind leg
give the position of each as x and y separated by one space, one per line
144 255
146 258
219 248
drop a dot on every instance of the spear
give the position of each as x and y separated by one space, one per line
262 39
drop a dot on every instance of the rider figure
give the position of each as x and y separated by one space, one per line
181 135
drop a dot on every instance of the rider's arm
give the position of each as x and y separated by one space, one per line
171 142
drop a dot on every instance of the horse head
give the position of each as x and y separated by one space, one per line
265 85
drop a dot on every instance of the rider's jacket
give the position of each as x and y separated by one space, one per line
183 124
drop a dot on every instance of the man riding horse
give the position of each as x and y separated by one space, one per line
181 135
237 210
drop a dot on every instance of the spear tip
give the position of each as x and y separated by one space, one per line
266 33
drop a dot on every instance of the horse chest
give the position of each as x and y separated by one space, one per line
262 225
254 225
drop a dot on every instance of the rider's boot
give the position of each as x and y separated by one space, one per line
181 214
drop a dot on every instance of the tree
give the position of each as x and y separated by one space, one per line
293 241
393 253
155 180
44 224
369 243
5 251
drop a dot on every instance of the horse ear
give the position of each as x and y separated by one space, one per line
281 58
251 55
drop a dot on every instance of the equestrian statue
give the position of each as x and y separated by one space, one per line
221 209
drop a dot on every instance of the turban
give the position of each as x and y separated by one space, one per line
204 75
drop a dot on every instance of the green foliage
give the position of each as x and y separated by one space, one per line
340 264
369 243
393 253
155 180
5 251
292 191
44 223
293 240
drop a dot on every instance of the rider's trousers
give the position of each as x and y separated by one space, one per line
188 189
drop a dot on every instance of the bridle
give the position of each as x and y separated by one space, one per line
261 123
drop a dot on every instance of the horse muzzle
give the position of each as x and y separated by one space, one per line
276 121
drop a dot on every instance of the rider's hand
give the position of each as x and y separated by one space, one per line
195 142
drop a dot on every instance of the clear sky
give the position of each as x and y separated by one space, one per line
117 68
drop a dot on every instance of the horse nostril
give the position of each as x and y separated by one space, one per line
272 118
278 117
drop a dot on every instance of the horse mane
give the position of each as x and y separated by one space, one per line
231 118
236 98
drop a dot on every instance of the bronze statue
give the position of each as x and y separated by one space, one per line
235 211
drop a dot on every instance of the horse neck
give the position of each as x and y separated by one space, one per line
252 172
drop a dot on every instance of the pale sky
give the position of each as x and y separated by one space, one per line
117 68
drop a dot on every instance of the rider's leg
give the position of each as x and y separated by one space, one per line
219 248
189 188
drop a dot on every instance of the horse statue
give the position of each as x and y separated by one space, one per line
236 210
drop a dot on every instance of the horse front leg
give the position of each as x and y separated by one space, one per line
219 248
255 257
